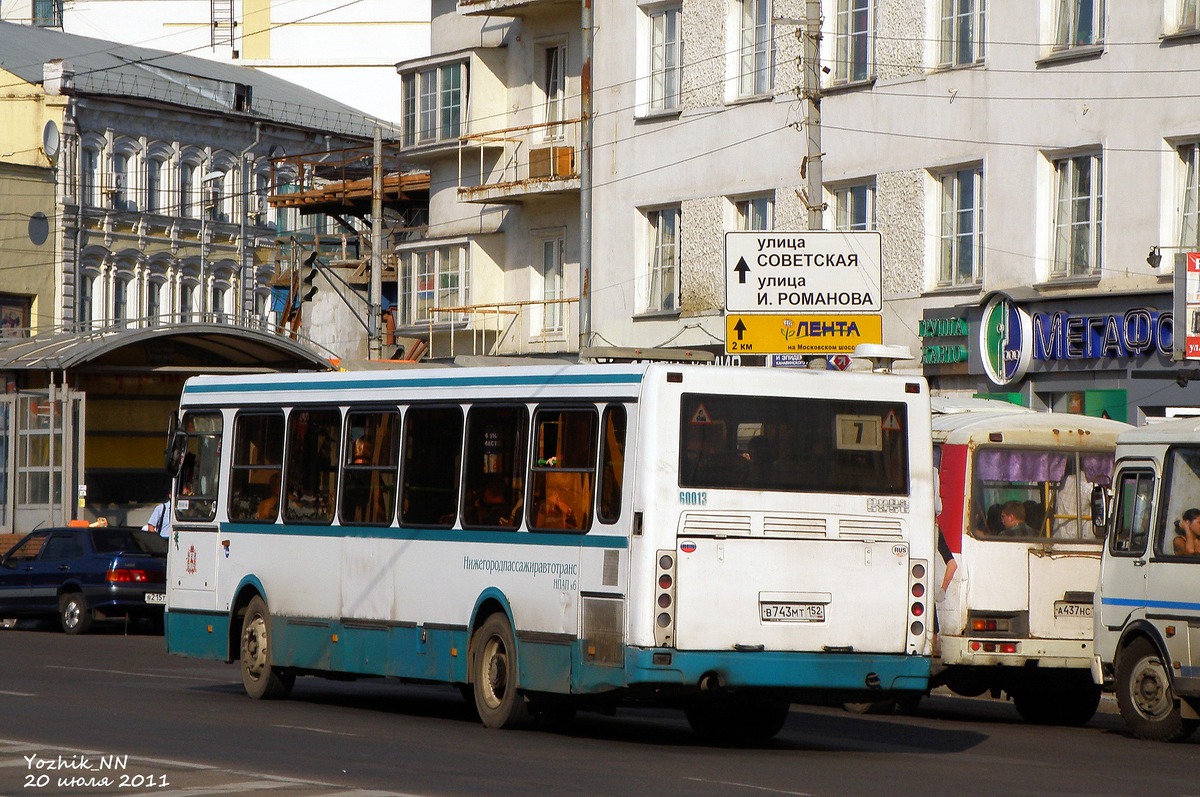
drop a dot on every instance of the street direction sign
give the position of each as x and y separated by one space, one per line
757 333
812 271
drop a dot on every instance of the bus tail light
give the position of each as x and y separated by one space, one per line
917 573
664 600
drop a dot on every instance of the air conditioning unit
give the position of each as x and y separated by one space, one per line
548 162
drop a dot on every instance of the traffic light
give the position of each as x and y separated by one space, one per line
308 283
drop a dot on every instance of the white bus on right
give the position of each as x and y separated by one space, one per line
1147 607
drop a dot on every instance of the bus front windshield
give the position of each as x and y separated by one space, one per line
793 444
1027 494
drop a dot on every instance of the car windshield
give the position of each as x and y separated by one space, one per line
111 540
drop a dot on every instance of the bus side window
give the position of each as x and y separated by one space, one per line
563 470
369 467
495 468
429 480
257 462
312 465
199 476
612 464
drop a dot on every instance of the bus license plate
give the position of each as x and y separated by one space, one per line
157 598
1064 609
793 612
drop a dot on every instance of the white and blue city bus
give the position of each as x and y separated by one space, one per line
725 540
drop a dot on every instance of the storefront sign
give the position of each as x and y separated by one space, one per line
938 341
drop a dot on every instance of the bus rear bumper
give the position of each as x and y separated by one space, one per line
850 672
1066 654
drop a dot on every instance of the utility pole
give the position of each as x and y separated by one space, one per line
815 199
585 180
375 293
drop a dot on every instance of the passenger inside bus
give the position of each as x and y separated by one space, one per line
1012 517
268 507
494 507
1187 534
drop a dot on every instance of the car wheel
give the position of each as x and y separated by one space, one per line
1145 697
497 699
74 613
262 679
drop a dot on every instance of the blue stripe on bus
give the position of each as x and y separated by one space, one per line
1149 604
434 381
538 538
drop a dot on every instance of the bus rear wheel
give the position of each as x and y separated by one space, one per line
737 720
1145 698
262 680
1063 706
497 698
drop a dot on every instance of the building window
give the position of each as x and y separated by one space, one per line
755 213
120 302
118 189
154 185
154 303
1080 24
431 103
187 301
962 32
855 207
1188 16
663 263
87 294
553 86
553 284
1189 205
432 278
853 42
754 61
666 63
48 13
961 245
1078 216
188 207
89 171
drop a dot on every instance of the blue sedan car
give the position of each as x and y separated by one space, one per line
82 573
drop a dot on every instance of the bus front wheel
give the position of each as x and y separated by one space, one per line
1145 697
262 680
499 702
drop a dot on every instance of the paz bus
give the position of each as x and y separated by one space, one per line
1147 622
1016 618
553 537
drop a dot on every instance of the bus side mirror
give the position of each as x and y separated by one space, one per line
1099 509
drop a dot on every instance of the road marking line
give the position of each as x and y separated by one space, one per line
314 730
751 786
136 674
17 694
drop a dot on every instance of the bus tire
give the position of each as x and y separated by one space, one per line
1062 706
262 680
737 720
1145 697
497 698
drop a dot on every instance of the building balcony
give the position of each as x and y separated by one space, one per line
516 163
519 328
514 8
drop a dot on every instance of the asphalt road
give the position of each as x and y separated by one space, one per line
73 708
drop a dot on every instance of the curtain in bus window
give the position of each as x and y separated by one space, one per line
1097 468
1019 466
312 465
793 444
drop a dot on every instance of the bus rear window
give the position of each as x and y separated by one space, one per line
793 445
1036 494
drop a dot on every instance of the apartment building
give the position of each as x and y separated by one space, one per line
339 49
1032 170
